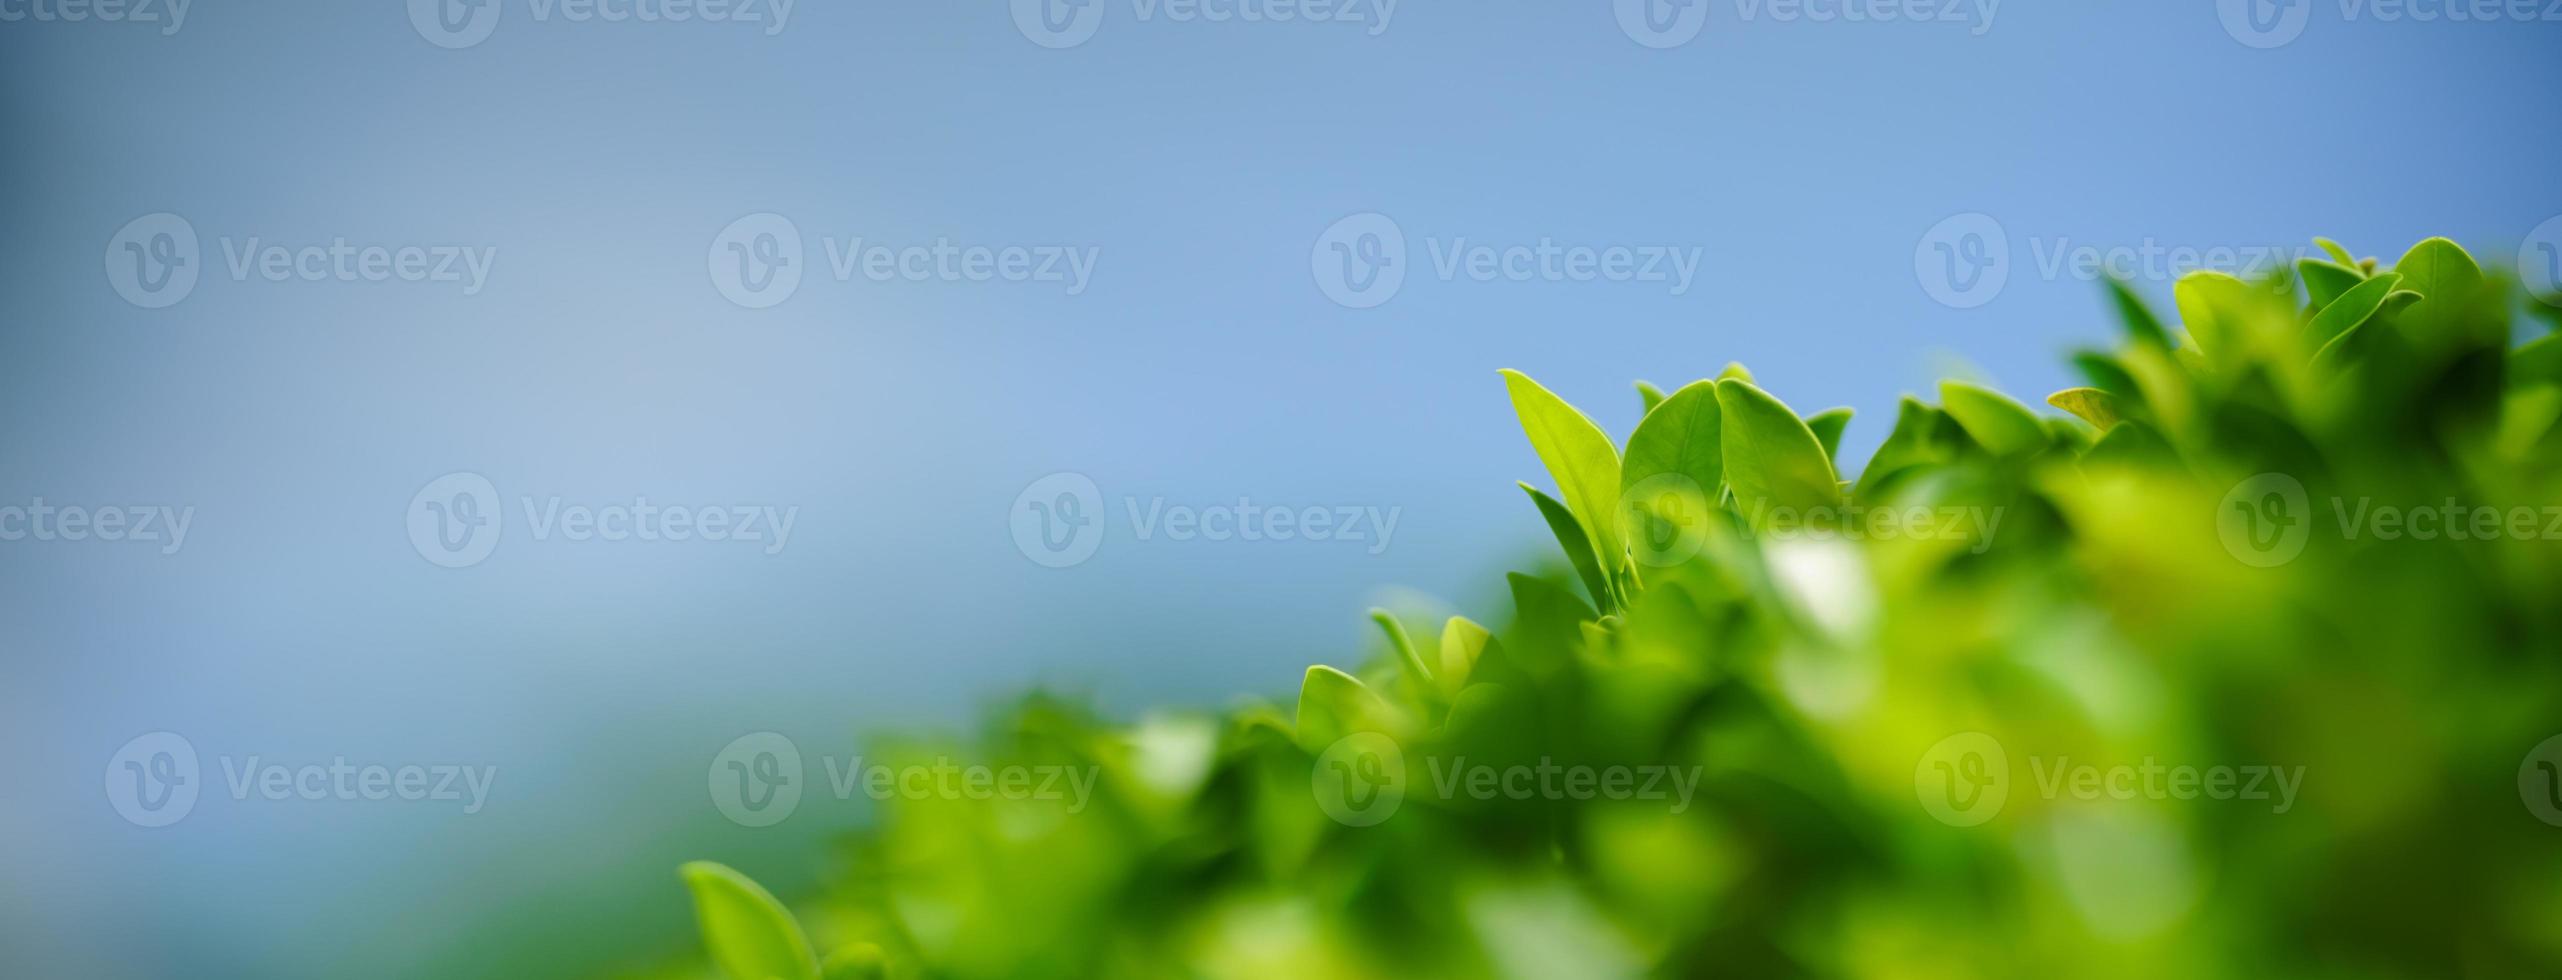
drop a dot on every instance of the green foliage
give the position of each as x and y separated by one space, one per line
2122 590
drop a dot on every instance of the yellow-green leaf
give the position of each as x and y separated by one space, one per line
1997 423
1579 456
750 935
1772 458
2091 405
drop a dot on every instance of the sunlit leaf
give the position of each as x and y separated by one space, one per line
749 934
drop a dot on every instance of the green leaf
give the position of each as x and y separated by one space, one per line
1463 643
2338 254
2099 408
2325 281
1828 426
749 934
2108 374
2140 322
1332 704
2003 426
1909 445
2215 308
1579 456
1772 458
1680 436
2352 309
2129 443
1578 548
2539 361
2448 282
859 961
1547 620
1736 371
2438 269
1650 395
1406 653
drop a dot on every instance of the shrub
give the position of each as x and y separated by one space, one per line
2244 666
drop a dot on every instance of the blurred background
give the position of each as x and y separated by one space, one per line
960 307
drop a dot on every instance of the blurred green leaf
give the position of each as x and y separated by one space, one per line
750 935
2003 426
2091 405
